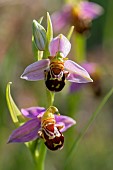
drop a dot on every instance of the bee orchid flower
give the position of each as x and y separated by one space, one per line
80 15
43 124
56 68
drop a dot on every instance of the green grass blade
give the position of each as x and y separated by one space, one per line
91 120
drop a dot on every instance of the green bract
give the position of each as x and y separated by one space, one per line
14 111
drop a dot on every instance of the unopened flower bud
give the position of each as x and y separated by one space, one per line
39 34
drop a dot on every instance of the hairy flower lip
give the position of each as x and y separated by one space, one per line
29 130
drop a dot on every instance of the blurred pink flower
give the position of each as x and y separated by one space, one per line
79 15
94 70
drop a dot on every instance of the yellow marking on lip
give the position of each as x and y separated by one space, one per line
55 144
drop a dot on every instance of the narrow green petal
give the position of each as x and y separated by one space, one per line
49 36
14 111
40 20
49 29
69 35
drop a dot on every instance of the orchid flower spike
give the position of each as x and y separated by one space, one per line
57 68
45 124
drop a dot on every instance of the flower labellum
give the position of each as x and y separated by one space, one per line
55 76
50 132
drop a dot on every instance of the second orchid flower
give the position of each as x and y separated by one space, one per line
43 124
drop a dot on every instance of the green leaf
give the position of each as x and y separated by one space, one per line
14 111
80 48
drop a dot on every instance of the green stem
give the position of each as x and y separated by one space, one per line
50 98
40 157
92 118
32 147
80 42
108 26
38 153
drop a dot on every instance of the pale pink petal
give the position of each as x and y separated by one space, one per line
33 112
62 18
89 10
59 44
76 73
26 132
64 121
35 71
91 67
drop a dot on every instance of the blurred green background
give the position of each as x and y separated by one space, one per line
95 151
